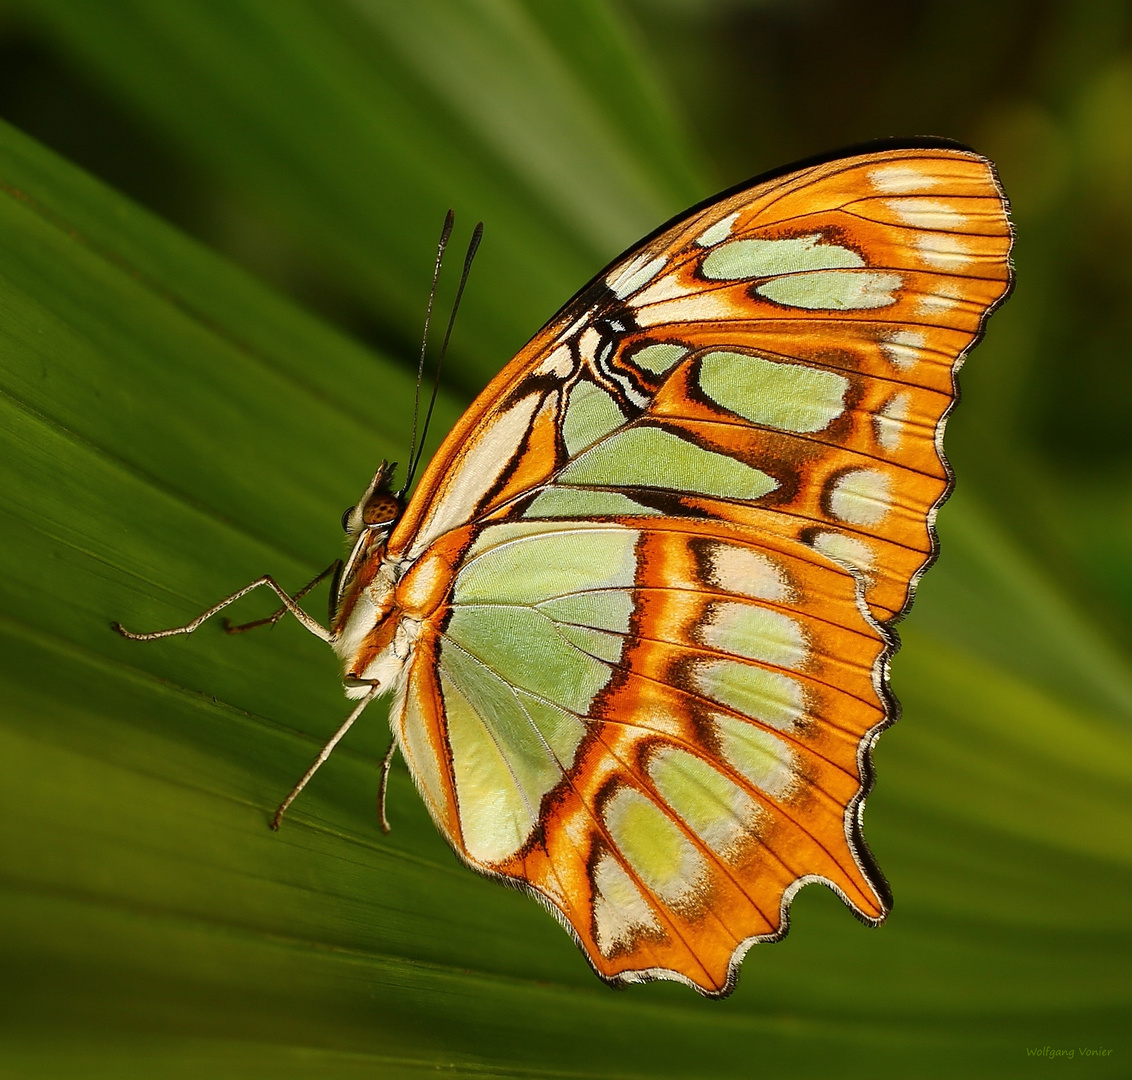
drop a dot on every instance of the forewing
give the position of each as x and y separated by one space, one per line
783 357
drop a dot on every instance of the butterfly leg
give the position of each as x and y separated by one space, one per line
275 616
307 621
324 753
383 787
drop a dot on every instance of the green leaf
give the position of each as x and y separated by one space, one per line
358 124
170 429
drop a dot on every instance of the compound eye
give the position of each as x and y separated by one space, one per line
380 509
346 518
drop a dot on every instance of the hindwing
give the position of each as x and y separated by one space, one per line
661 726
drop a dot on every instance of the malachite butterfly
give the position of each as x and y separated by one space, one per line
635 620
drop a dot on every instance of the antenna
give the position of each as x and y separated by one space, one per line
473 246
445 234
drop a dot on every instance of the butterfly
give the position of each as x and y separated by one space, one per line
636 619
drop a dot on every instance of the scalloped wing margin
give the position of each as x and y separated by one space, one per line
664 751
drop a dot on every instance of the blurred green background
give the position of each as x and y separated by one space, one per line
217 220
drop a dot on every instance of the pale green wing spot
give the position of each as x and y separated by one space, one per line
498 535
646 456
718 811
721 230
634 276
658 358
504 720
563 731
901 180
529 651
791 397
889 422
483 461
768 696
904 348
508 748
590 414
599 643
621 912
607 609
495 818
525 569
419 754
757 633
767 258
757 755
862 497
653 845
846 549
738 569
581 503
834 290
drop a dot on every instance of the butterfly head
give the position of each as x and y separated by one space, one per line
367 525
378 510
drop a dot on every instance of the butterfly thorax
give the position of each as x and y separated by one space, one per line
372 633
